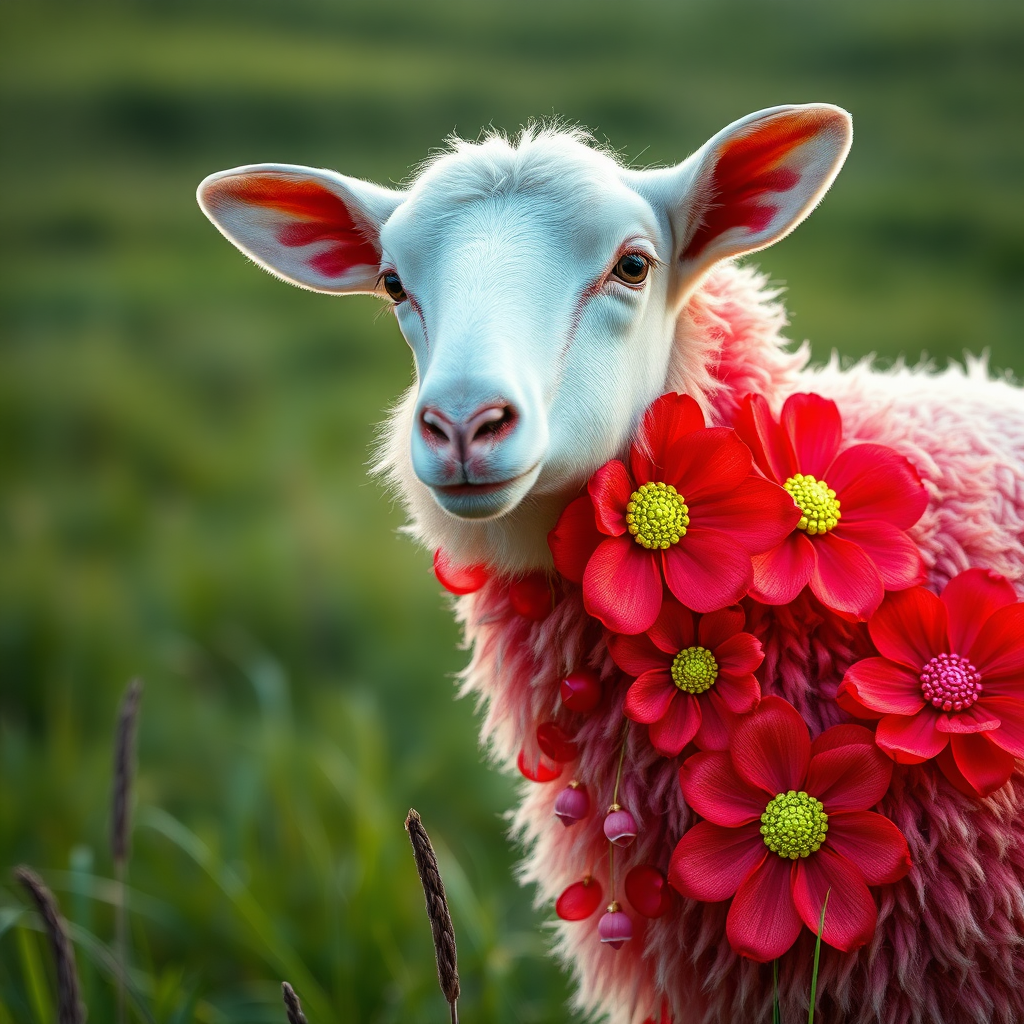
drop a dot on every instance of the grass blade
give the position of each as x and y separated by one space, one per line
262 937
121 823
817 951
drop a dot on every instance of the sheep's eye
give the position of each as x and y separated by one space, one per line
393 286
632 268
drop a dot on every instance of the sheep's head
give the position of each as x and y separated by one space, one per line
537 283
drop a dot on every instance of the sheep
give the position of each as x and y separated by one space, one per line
548 295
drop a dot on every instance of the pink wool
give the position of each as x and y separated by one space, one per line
949 947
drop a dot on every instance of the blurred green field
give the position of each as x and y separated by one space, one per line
183 444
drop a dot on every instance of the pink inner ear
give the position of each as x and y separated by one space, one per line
749 170
315 214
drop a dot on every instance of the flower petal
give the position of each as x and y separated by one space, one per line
844 578
851 778
739 655
875 482
758 514
459 579
679 725
771 747
714 790
846 735
815 430
1010 734
707 570
970 598
709 463
872 843
763 921
622 585
998 649
574 538
884 686
849 703
710 862
984 765
673 629
609 489
978 718
635 654
910 739
740 694
716 627
716 723
649 697
780 574
896 557
910 628
667 420
851 914
772 449
947 763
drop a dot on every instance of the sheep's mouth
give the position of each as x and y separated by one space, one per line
488 499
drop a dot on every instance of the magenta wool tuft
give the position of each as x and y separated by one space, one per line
949 946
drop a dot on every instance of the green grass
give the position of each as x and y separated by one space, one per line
183 444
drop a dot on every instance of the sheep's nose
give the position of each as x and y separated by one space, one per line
476 433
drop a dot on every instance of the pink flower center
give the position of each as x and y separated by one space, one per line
950 683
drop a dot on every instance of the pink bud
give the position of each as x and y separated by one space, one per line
647 891
620 826
573 804
581 691
614 927
580 900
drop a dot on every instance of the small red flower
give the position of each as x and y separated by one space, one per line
950 680
694 675
687 509
786 821
849 543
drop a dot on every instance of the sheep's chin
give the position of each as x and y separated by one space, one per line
485 502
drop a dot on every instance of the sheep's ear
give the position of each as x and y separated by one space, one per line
317 229
756 180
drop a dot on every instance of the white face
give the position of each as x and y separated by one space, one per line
537 285
537 323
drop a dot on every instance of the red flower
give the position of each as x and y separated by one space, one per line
950 679
849 544
787 820
694 674
688 507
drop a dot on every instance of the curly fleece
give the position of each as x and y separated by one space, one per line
949 947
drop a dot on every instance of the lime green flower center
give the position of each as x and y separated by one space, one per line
694 670
794 825
657 515
817 501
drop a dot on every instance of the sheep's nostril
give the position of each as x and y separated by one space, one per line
437 428
491 423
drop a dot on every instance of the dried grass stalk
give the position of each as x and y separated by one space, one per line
70 1009
292 1005
124 773
437 911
